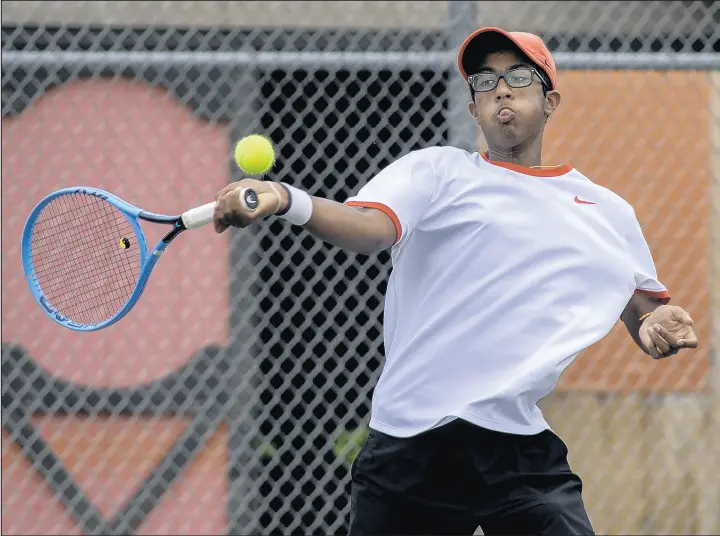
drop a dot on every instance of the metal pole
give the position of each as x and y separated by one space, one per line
462 21
118 60
711 522
245 463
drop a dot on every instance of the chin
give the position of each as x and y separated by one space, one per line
505 138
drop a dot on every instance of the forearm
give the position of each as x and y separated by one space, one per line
360 230
633 325
635 314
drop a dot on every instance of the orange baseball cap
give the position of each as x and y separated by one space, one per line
482 41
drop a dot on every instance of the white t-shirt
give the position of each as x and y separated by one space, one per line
501 275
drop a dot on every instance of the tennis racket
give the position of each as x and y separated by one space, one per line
85 256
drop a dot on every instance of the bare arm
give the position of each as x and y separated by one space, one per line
362 230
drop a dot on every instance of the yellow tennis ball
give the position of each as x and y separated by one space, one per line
255 154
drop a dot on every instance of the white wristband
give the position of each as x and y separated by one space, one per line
299 207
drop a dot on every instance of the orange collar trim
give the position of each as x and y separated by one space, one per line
539 171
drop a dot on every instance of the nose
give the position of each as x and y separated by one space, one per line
503 90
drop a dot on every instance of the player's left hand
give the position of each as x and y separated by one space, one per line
667 330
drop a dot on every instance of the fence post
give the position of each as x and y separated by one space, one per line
462 20
244 435
711 522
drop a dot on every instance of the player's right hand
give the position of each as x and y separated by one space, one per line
230 211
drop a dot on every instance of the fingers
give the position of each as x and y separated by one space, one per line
222 210
241 203
663 343
258 186
229 188
653 351
219 227
668 337
230 211
689 341
658 346
681 315
660 342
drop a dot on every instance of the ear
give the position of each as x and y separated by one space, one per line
552 101
471 109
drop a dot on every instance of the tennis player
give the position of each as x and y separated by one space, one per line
503 271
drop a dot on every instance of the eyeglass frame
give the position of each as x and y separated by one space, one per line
533 71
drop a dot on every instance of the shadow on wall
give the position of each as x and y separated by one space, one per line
109 459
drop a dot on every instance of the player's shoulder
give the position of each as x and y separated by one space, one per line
436 161
439 158
605 194
440 153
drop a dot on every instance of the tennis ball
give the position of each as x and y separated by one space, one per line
255 154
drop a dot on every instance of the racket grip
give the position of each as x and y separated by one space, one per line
199 216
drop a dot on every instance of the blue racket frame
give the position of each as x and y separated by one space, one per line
148 259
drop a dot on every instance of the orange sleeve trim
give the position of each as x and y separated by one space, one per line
542 171
664 296
386 209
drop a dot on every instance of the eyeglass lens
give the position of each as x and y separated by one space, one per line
514 78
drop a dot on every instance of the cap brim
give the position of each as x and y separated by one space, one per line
478 44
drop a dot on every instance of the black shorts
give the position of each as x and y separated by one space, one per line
459 476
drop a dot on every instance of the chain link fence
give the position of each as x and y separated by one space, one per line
235 395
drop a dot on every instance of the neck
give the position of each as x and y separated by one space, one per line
526 156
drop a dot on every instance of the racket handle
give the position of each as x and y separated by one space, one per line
199 216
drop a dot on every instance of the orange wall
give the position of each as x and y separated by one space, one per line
646 136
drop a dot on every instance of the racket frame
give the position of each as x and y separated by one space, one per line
148 259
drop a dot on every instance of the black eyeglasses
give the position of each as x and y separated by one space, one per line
517 78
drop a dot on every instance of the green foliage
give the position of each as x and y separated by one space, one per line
348 443
346 446
266 450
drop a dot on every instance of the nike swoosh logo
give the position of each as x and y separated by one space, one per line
578 200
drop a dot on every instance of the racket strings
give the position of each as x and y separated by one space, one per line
77 271
73 267
86 257
68 285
